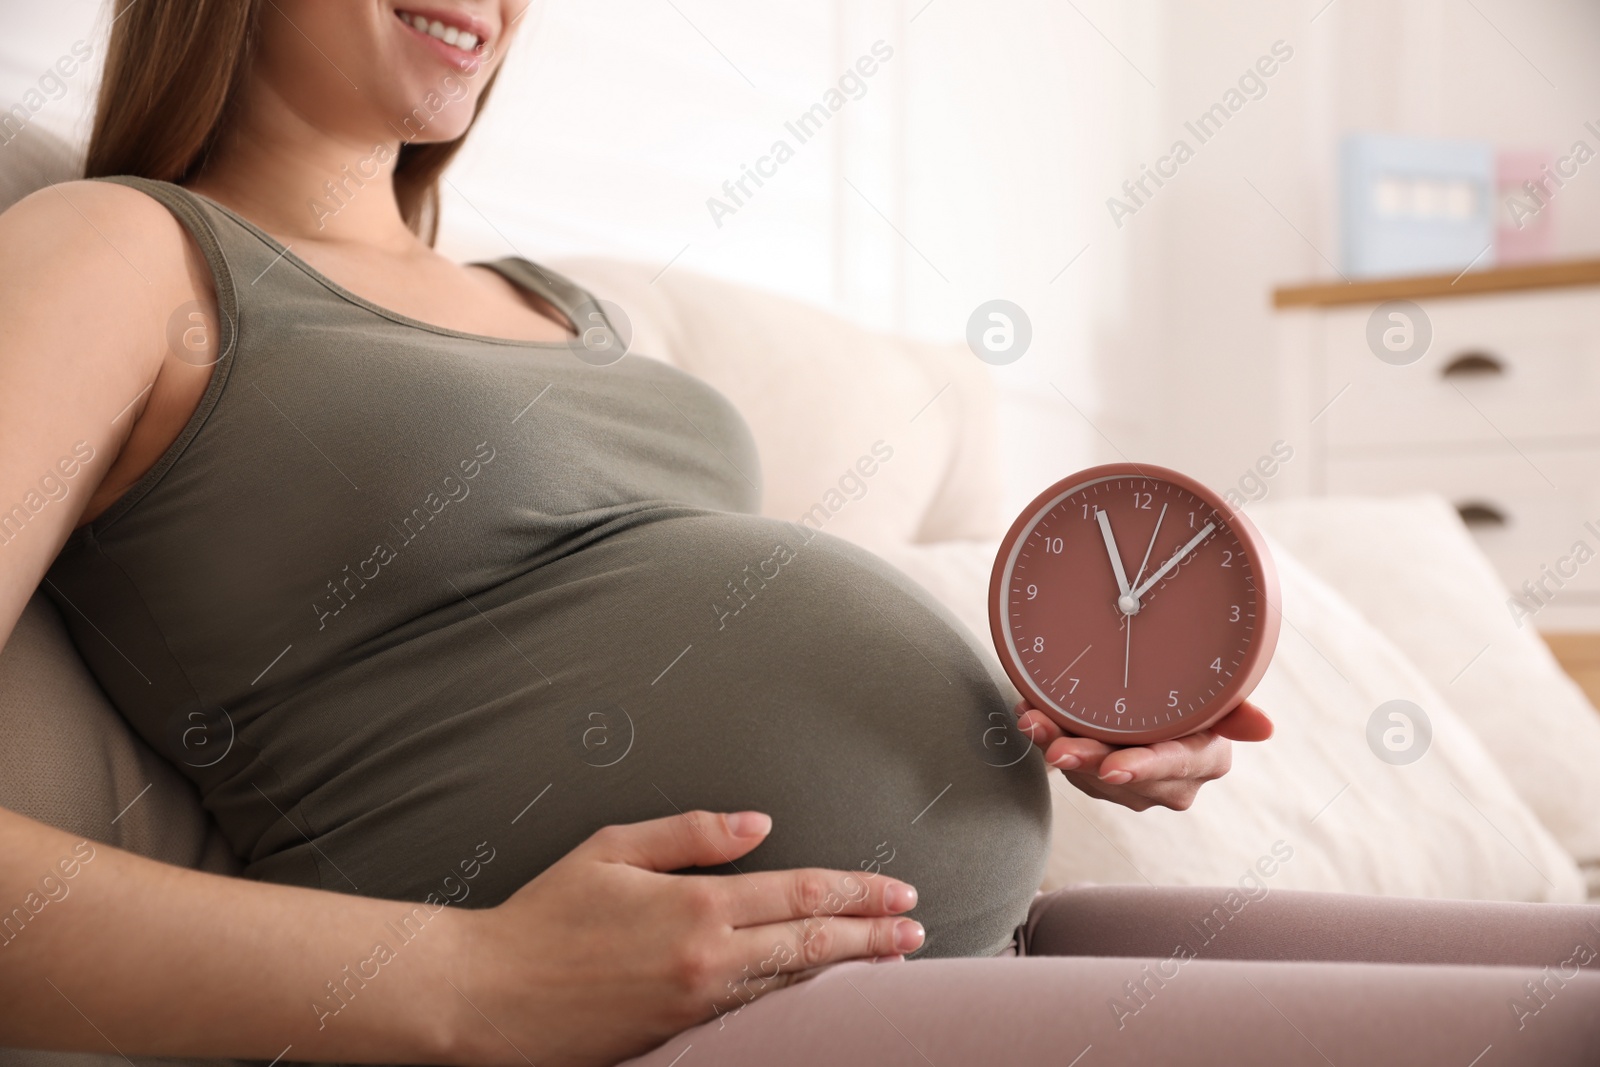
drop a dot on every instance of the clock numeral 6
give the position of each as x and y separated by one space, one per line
1172 698
1038 644
1121 705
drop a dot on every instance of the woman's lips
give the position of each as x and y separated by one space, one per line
460 40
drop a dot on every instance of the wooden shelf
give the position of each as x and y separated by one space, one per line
1579 656
1555 275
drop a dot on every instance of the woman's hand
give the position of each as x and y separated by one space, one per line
1168 773
604 955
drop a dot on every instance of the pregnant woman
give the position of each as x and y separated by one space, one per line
410 576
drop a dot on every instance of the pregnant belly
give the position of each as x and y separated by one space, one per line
706 660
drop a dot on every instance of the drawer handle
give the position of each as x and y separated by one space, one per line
1476 513
1473 365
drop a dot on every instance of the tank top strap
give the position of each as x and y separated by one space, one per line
562 293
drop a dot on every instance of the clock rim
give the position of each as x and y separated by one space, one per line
1267 602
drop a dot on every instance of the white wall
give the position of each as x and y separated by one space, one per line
32 37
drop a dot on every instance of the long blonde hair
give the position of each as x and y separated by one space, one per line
173 75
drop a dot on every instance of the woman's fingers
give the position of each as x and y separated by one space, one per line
787 948
1244 723
788 923
1038 727
807 894
1077 754
1197 757
692 839
1060 748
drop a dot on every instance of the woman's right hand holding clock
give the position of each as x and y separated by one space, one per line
1165 773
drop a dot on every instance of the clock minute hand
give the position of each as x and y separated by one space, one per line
1111 550
1177 557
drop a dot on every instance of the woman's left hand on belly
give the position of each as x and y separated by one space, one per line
1169 773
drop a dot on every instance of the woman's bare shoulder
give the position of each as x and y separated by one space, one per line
116 234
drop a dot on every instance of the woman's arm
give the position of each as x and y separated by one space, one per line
140 957
601 957
89 275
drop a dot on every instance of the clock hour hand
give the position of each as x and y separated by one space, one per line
1111 550
1177 558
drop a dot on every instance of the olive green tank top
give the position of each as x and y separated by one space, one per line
419 610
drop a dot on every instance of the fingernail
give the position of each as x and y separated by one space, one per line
749 823
1116 778
900 897
1068 762
907 935
887 959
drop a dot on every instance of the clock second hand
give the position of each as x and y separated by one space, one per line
1127 652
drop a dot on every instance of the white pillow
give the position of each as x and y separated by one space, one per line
823 396
1410 566
1449 825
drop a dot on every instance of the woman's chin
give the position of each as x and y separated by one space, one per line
423 115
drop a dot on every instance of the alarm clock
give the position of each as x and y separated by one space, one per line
1132 604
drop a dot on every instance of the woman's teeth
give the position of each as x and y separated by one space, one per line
461 39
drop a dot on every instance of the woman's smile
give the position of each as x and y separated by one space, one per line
458 38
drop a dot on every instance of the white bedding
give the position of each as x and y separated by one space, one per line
1449 825
1411 567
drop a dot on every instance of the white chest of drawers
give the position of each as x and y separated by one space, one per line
1501 415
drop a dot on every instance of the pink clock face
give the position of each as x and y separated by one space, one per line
1133 605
